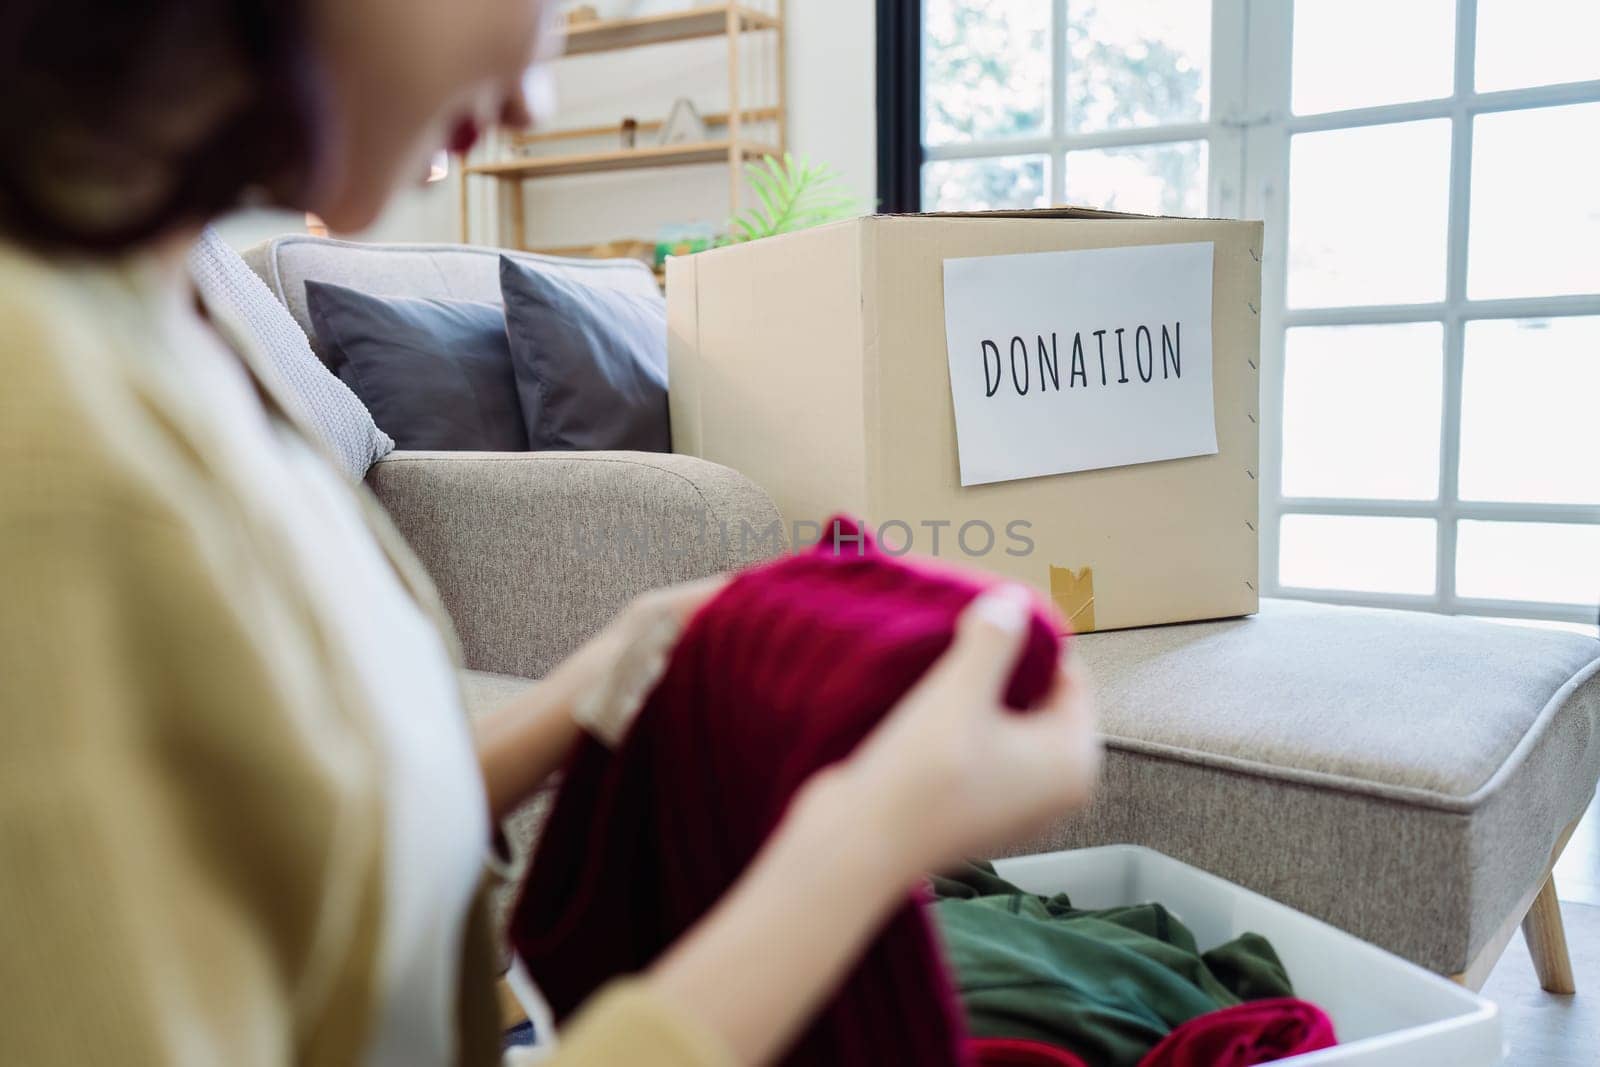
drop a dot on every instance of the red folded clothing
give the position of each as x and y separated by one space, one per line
1014 1052
1257 1031
782 673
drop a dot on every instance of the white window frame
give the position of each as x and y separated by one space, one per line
1270 126
1249 129
1224 154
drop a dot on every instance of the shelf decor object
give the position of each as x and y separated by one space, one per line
684 125
727 135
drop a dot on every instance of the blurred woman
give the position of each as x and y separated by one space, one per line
242 820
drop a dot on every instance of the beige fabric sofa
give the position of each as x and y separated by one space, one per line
1409 778
532 551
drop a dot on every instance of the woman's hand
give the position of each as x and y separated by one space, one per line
613 673
953 772
598 689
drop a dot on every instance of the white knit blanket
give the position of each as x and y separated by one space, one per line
327 404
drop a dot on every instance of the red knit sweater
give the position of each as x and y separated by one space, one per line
782 673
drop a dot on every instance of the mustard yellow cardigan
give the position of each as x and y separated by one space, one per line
190 804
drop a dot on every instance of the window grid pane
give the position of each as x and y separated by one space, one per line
1544 562
1368 214
1412 58
1530 400
1358 552
1535 226
987 70
1361 411
1536 42
1163 179
1137 64
978 184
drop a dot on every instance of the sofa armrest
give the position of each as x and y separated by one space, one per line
534 551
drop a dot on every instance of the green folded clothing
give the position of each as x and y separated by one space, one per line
1107 984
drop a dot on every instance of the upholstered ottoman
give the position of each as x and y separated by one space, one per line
1409 778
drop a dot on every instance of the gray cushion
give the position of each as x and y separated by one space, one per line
1401 775
436 374
229 287
431 271
591 364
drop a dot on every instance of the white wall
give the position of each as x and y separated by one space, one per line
831 120
420 213
833 88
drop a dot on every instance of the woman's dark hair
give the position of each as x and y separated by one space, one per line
122 118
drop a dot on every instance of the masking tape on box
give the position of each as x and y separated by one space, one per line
1073 594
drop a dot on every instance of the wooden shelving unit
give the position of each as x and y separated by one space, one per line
579 133
676 155
731 21
610 35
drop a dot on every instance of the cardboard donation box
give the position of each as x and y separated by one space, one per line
1065 397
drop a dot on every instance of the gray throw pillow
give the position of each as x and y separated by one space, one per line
591 363
226 284
436 374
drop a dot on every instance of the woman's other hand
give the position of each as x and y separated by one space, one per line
952 772
599 689
613 673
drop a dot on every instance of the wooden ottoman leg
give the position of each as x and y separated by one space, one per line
1540 916
1547 941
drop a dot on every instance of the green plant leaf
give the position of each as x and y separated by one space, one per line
770 196
794 194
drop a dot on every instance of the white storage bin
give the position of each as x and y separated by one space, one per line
1385 1011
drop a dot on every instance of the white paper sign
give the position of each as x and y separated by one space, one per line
1074 361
